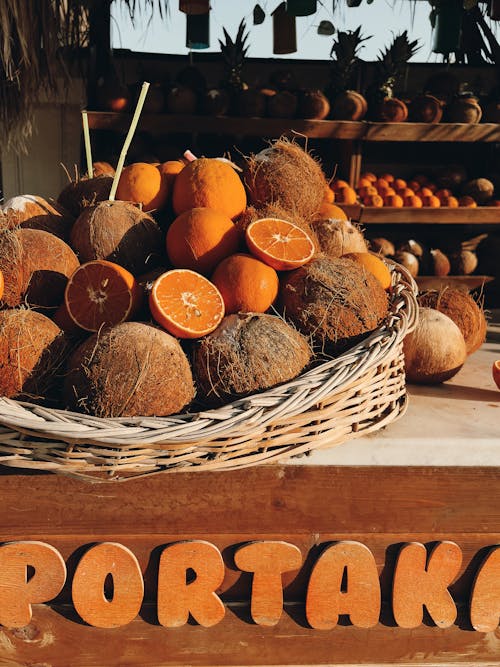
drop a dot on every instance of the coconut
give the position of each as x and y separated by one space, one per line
440 263
84 192
119 232
435 350
338 237
461 307
313 104
382 246
35 212
464 262
251 102
31 351
480 189
337 301
451 177
36 266
248 352
282 105
128 370
409 261
286 174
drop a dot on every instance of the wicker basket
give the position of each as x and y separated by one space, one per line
360 391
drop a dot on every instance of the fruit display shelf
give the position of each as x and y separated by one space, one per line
482 215
314 129
471 282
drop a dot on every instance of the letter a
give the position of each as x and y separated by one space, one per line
361 600
416 584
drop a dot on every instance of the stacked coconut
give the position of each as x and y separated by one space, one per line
89 321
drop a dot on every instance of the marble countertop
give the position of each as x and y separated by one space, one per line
455 423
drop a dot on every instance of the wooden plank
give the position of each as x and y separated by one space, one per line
433 132
481 215
227 125
56 637
261 500
462 282
309 507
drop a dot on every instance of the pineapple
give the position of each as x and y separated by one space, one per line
234 56
347 104
390 68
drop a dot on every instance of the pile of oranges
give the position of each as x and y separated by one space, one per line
388 191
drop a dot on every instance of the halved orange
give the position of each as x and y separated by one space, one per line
101 293
496 372
279 243
186 304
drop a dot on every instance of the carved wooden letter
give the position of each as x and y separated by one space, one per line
88 586
353 563
267 560
177 597
485 596
415 584
17 594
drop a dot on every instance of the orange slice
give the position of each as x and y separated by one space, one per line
279 243
496 372
101 293
186 304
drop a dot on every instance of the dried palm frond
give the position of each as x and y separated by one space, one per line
37 40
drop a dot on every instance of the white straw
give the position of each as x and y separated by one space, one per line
128 139
86 138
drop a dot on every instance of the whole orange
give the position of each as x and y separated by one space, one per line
142 183
374 265
169 171
200 238
210 183
373 200
330 212
247 285
329 195
346 195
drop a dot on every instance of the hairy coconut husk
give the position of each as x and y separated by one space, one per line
128 370
409 261
461 307
34 212
338 237
36 266
32 349
84 192
248 352
287 175
119 232
337 301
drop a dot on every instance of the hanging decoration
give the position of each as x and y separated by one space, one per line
258 15
194 7
284 31
447 19
326 28
301 7
198 31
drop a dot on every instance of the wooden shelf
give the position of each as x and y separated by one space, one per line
460 282
314 129
482 215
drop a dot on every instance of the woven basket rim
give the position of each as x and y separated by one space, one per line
293 397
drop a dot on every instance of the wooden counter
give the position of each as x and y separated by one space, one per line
430 477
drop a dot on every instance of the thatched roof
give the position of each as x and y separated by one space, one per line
37 39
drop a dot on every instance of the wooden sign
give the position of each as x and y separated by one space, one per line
107 586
